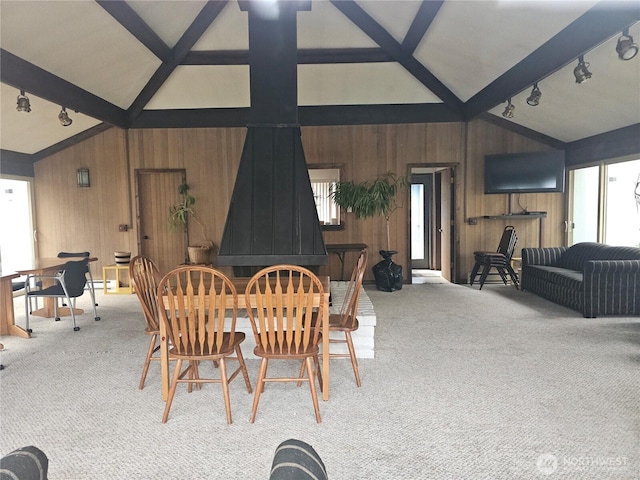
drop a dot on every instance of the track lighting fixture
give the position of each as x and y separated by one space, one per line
534 98
626 48
508 110
581 71
63 116
23 103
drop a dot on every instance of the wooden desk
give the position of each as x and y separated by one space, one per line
47 266
7 317
340 249
241 285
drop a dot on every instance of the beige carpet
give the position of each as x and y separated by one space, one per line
466 384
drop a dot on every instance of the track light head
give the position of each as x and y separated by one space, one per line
581 72
626 48
534 98
508 110
23 103
63 116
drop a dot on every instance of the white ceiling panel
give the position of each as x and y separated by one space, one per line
168 19
204 87
567 110
38 129
230 31
396 17
81 43
472 43
350 84
326 27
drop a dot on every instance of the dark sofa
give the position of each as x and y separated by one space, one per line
592 278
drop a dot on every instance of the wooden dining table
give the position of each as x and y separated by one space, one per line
7 317
240 283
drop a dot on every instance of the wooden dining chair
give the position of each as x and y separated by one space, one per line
145 276
286 297
194 304
346 321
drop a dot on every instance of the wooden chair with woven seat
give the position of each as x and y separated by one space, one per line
145 276
194 303
347 320
282 323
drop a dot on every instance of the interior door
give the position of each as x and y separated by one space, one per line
157 190
445 222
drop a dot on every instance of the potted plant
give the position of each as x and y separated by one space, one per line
371 199
179 215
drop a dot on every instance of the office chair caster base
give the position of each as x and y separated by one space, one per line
1 367
57 319
29 330
75 329
97 319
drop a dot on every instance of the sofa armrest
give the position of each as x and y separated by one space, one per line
542 256
611 287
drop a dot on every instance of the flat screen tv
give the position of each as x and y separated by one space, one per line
540 172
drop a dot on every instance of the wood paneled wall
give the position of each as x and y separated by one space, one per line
72 218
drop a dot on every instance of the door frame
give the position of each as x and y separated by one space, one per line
433 168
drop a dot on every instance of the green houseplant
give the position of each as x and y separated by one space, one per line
179 215
370 199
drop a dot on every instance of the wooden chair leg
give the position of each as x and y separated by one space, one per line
312 387
259 388
352 354
172 390
150 351
225 388
316 361
243 368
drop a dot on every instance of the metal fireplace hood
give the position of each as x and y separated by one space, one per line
272 218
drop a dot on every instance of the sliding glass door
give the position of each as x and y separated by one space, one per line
605 204
16 233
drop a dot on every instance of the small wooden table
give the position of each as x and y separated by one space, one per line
46 266
241 285
7 317
340 249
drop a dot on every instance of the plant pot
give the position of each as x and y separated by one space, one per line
201 254
122 258
387 273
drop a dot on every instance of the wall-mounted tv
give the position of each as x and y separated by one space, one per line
540 172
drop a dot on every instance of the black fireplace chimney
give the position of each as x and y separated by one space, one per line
272 217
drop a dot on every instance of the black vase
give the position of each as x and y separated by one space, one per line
387 273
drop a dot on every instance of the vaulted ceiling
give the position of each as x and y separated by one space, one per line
142 64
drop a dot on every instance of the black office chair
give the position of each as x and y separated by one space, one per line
80 255
500 259
69 283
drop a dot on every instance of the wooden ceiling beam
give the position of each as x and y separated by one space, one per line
305 56
597 25
129 19
421 23
23 75
378 34
203 20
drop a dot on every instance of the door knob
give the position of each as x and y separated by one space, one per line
146 237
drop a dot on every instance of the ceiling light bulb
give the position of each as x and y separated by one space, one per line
626 48
508 110
581 72
534 98
23 103
63 116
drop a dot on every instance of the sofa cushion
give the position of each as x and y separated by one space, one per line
558 276
617 253
576 256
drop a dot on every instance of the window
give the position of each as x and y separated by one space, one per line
605 204
323 181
